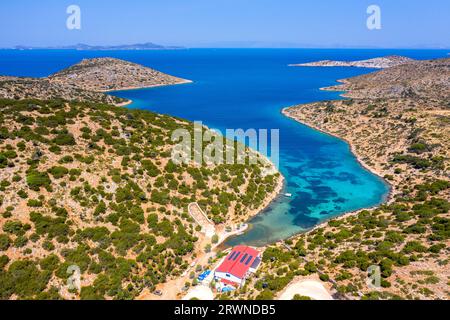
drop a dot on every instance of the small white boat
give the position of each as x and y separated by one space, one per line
288 194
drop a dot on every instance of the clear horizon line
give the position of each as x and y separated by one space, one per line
233 47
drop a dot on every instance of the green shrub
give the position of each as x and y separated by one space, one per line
64 139
50 263
419 147
95 234
53 227
34 203
300 297
5 242
265 295
324 277
22 193
36 180
16 227
20 241
24 279
58 172
4 260
66 159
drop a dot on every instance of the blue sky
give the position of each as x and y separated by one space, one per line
317 23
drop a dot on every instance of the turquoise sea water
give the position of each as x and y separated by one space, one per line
247 88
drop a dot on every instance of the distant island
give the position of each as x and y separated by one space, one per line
375 63
83 46
87 81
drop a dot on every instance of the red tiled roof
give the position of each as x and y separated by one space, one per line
238 261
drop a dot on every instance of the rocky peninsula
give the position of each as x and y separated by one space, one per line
87 81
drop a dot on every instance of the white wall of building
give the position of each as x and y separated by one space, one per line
223 275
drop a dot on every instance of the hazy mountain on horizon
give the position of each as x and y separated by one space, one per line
83 46
220 44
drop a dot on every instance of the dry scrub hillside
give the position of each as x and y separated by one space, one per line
105 74
93 185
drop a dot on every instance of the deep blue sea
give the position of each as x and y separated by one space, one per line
247 88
